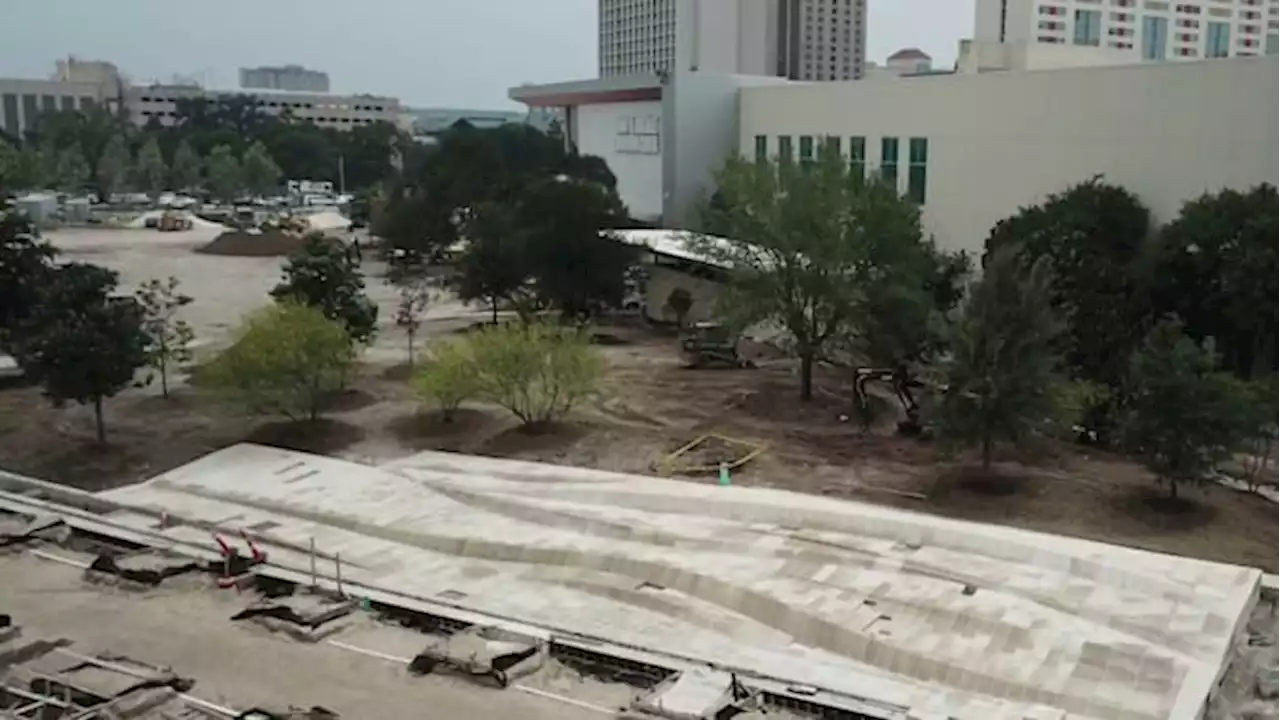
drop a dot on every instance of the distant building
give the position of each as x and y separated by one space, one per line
97 72
429 123
23 100
342 112
291 78
908 61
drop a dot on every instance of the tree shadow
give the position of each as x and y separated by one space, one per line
321 436
430 431
534 439
347 400
1154 509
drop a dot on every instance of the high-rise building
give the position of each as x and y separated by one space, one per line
1151 29
799 39
291 78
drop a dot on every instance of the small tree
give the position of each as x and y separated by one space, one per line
414 298
260 172
222 174
26 262
186 169
537 371
447 377
1000 380
150 169
170 337
80 343
72 171
285 360
492 268
680 302
1185 416
324 276
113 166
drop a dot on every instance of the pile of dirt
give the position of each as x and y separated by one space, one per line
241 243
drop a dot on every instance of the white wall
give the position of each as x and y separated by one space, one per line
628 136
1166 131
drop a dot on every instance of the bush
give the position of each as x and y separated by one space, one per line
447 378
537 371
286 359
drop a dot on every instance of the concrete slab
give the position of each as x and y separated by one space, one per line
917 613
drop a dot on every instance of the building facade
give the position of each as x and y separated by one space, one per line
1152 29
973 148
796 39
342 112
22 101
290 78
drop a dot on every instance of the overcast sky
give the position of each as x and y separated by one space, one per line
429 53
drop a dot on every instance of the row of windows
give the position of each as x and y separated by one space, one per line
34 105
276 104
890 157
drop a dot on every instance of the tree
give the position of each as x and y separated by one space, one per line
447 377
325 276
71 171
260 172
285 360
492 268
1185 416
1000 379
12 175
538 371
680 302
186 169
113 167
170 336
26 262
151 171
414 298
802 246
222 174
81 343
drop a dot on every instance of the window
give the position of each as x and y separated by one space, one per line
784 148
917 168
1218 40
858 157
762 148
1273 44
1088 27
806 149
889 160
833 144
1155 37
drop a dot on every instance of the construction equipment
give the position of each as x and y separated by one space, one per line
707 344
902 382
173 222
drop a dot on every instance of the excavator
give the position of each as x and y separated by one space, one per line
902 382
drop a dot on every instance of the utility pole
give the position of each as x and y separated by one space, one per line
342 174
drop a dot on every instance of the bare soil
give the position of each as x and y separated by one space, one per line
649 406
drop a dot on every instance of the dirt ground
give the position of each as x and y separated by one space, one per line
650 407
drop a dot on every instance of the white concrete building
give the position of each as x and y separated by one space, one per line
23 100
1153 29
797 39
290 78
160 102
973 148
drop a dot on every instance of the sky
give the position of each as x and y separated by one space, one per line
428 53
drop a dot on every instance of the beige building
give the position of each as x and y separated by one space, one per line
22 100
343 112
291 78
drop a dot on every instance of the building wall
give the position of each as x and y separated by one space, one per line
981 56
628 136
22 101
999 141
337 111
823 39
292 78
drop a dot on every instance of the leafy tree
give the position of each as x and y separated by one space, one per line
26 262
72 171
411 304
81 343
285 360
170 336
260 172
1185 416
1216 269
538 371
492 268
186 169
150 170
222 174
804 245
447 378
1000 379
324 276
113 166
11 170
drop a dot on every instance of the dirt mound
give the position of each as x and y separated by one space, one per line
271 243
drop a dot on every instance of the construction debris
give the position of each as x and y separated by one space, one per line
488 652
696 694
139 570
20 529
306 617
709 454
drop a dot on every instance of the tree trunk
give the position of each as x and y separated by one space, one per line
164 380
494 306
986 452
97 417
1173 489
410 349
806 376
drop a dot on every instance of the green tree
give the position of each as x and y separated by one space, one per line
222 174
81 343
803 246
1001 377
414 297
492 268
170 336
150 169
186 169
324 275
538 371
113 167
286 359
261 174
26 262
447 377
72 171
1185 416
10 170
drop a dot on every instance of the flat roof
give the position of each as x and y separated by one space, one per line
625 88
920 613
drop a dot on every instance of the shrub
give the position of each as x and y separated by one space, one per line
447 377
537 371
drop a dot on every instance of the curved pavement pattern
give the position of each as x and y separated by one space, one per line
932 616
